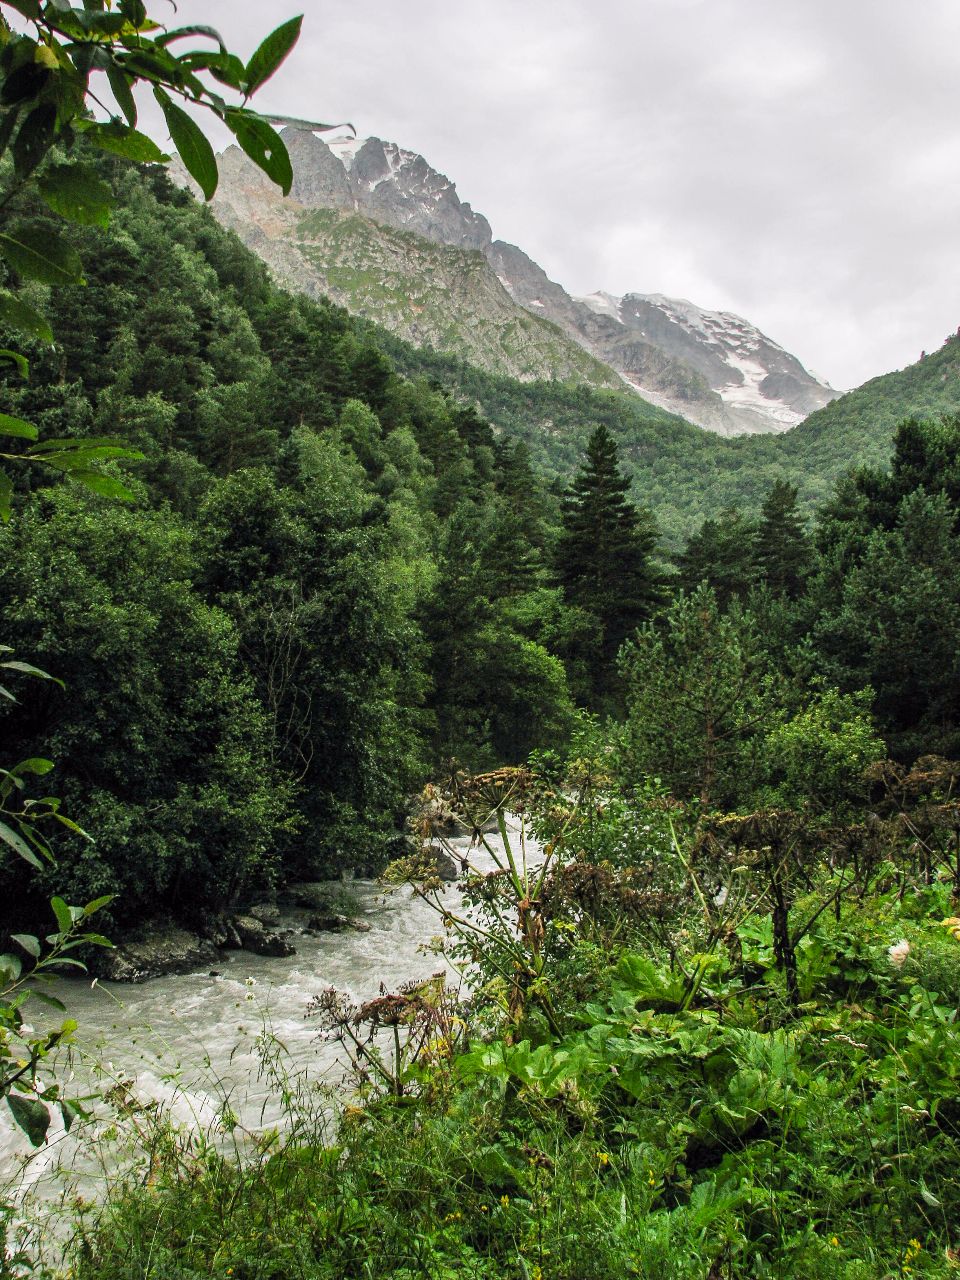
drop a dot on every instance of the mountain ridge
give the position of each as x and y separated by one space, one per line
730 379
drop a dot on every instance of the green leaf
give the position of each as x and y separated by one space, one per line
15 314
121 140
12 967
179 33
29 670
29 8
29 943
98 482
225 67
135 12
120 87
6 494
16 358
68 1113
63 914
52 1001
271 53
34 138
17 427
192 145
19 845
98 903
41 255
32 1117
36 764
77 194
264 146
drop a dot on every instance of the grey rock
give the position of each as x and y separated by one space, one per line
261 941
268 913
331 922
157 950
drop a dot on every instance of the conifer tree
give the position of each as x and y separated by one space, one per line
720 554
604 556
782 549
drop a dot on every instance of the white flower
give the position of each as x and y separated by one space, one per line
898 953
250 982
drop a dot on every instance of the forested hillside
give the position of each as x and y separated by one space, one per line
685 474
330 579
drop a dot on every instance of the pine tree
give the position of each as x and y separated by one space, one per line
604 556
782 549
720 554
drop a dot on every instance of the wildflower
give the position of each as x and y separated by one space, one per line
250 982
651 1179
603 1158
504 1200
835 1242
898 953
483 1208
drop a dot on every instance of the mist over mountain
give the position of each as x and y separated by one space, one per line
374 227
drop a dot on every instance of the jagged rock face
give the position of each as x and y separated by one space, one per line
379 231
751 382
376 230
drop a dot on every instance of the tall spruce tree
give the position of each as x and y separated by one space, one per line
782 548
720 554
604 556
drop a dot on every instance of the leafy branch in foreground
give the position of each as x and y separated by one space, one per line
47 93
22 1048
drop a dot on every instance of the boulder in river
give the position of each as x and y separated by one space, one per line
255 937
333 922
157 950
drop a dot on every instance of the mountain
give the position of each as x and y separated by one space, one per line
379 231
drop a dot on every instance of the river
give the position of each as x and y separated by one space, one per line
190 1042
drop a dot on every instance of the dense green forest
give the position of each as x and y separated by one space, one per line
711 1022
682 473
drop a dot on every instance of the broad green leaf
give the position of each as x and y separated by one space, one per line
16 358
36 764
52 1001
179 33
77 194
12 967
29 670
32 1117
34 138
63 914
225 67
15 314
68 1113
17 427
98 482
41 255
98 940
271 53
29 943
134 11
19 845
265 148
29 8
192 145
120 87
121 140
98 903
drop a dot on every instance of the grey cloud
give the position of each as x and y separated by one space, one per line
796 163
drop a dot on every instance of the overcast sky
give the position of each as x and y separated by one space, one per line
795 162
